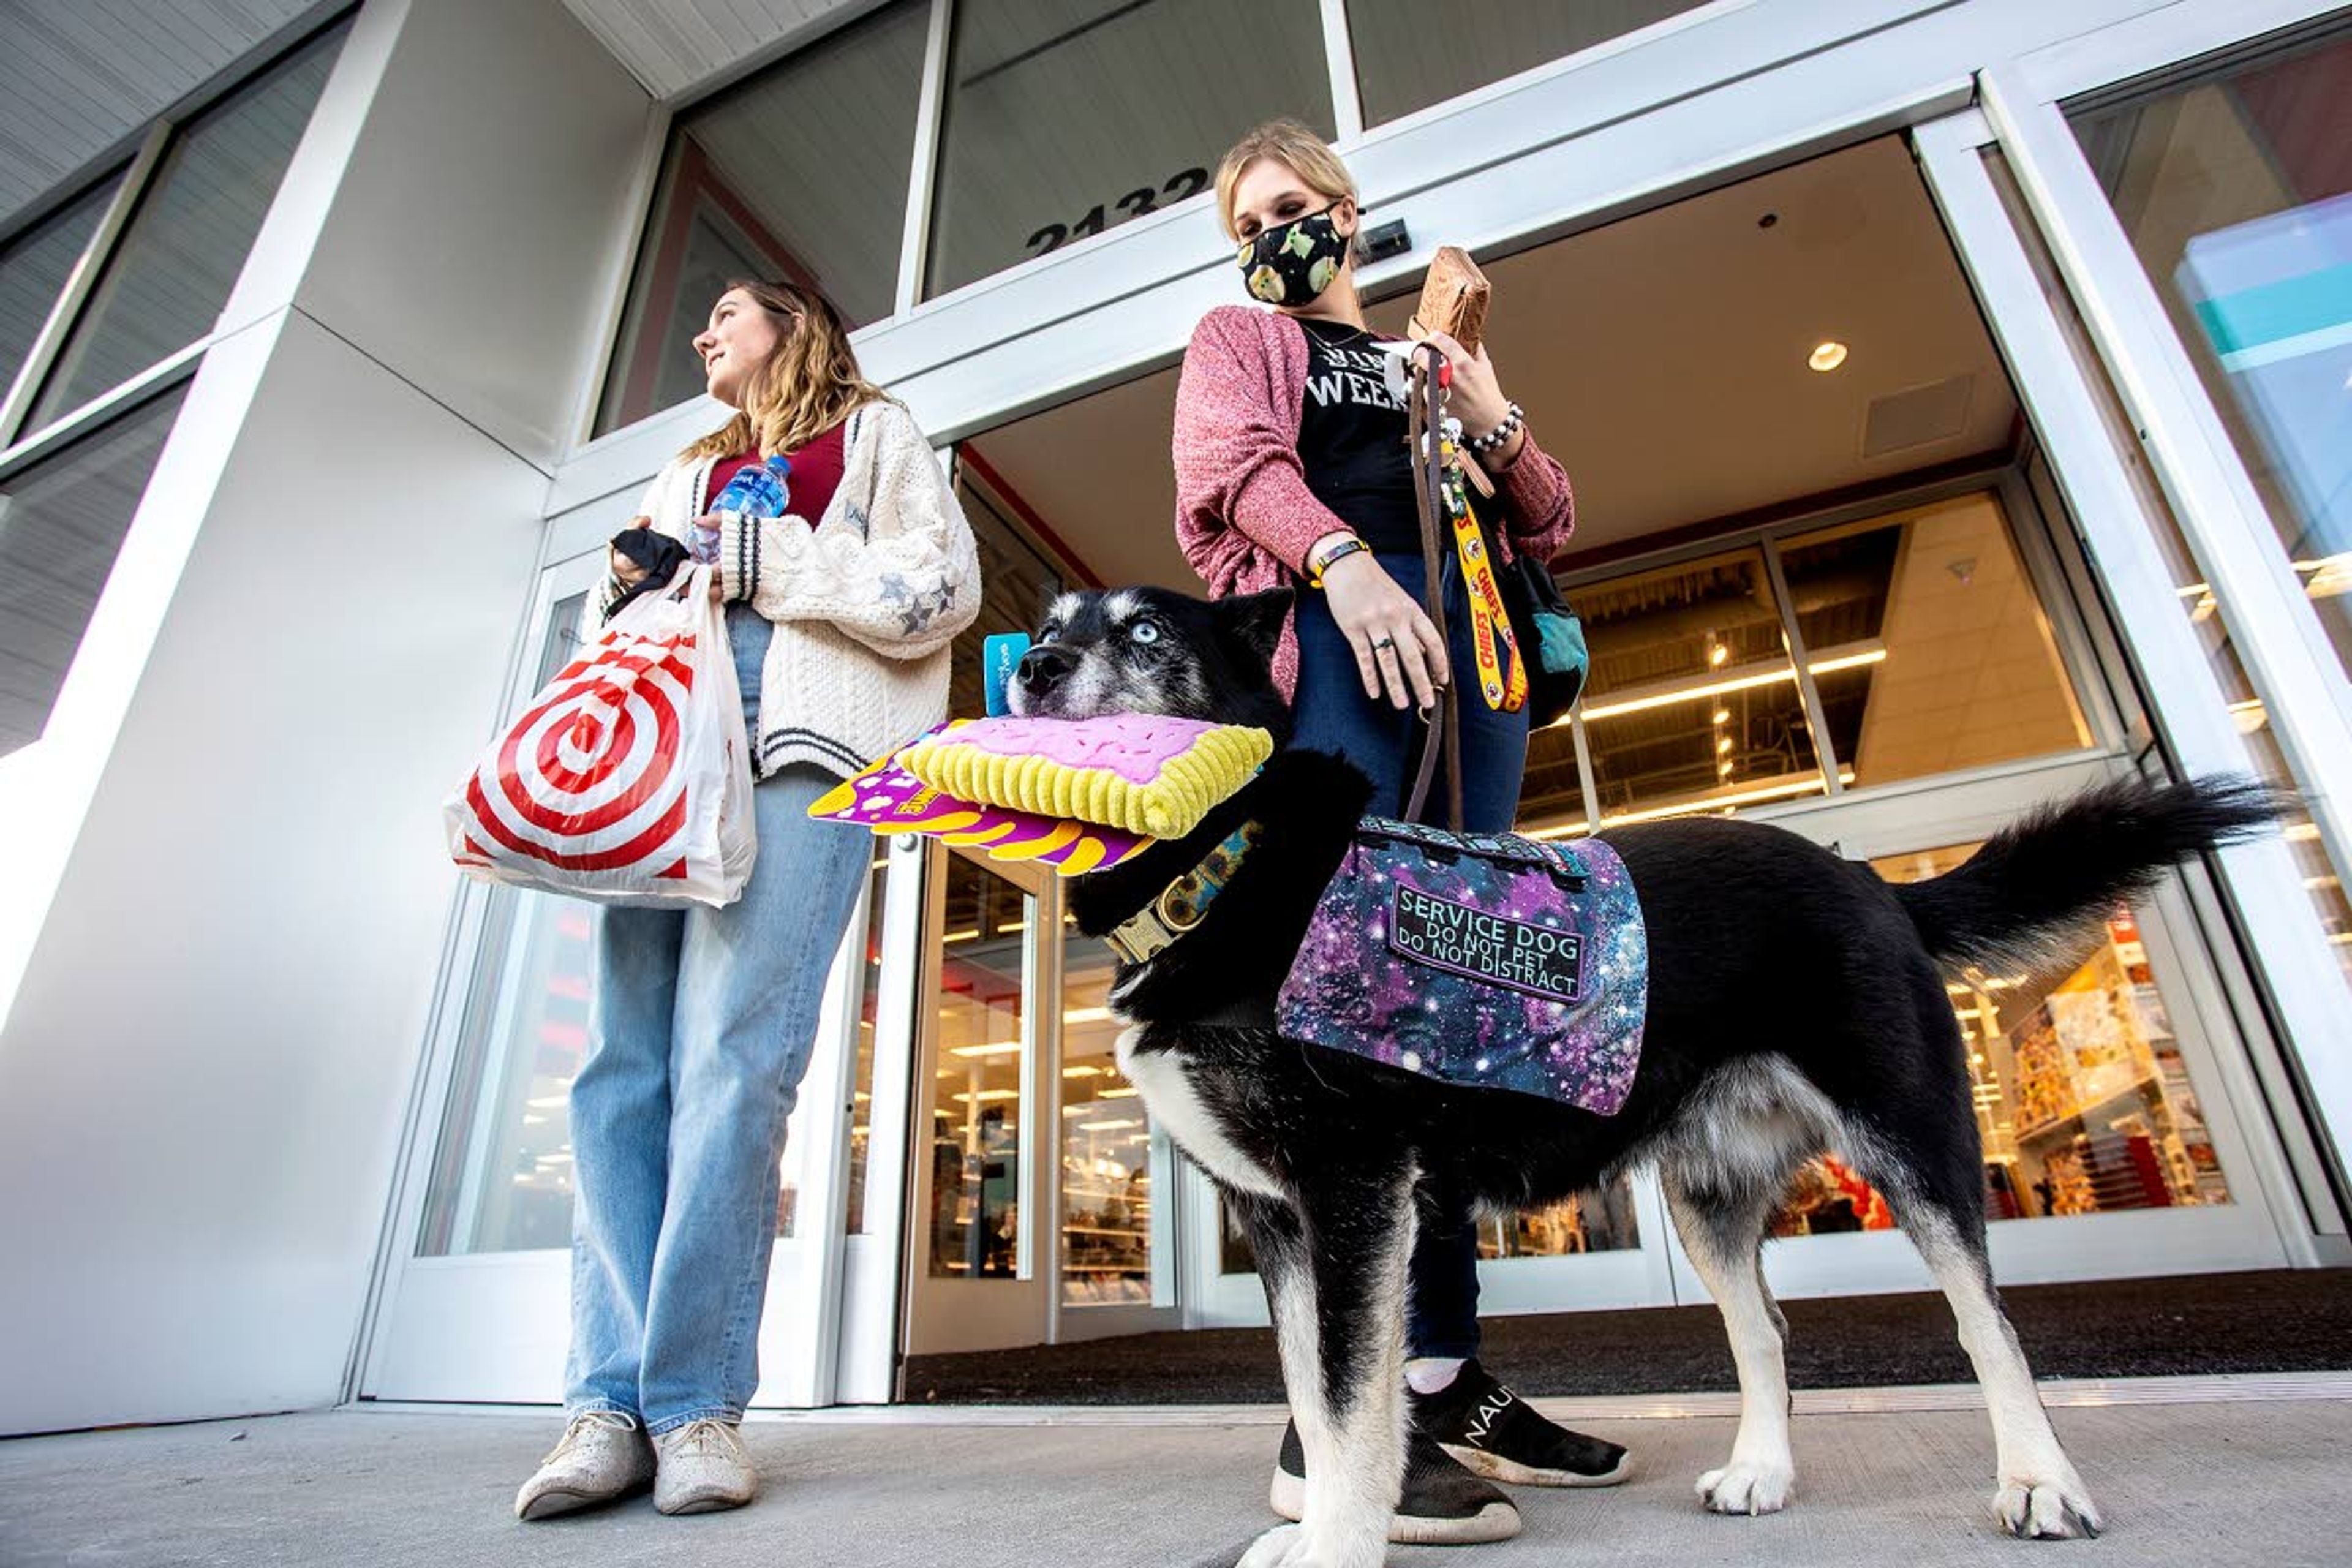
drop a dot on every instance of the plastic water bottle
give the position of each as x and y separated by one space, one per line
758 490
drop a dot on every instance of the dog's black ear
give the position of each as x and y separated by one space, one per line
1255 620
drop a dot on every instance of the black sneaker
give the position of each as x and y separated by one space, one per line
1444 1504
1497 1434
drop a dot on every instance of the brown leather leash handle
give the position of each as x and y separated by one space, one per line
1429 500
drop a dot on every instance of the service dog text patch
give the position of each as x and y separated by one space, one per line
1481 961
1494 948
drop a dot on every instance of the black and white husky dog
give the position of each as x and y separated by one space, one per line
1324 1154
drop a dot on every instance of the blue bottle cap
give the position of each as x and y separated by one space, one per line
999 655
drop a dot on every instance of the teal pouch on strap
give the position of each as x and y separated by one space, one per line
1550 636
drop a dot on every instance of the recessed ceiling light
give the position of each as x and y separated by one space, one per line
1827 356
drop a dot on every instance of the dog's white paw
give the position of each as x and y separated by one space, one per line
1749 1487
2055 1507
1289 1546
1271 1550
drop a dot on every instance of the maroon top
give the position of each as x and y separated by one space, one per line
817 474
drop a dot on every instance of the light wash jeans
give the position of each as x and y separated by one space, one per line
705 1019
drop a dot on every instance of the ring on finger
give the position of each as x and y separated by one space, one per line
1385 644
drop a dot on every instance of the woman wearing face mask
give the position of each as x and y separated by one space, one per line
1291 468
839 618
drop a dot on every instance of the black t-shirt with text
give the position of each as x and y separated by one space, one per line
1351 438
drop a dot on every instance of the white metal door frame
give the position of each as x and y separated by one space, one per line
2191 453
2263 877
425 1312
495 1325
945 1315
2243 1234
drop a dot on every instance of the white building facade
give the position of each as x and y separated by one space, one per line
336 341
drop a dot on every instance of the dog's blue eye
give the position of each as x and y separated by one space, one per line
1143 632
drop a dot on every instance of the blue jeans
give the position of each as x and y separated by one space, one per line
1332 714
705 1019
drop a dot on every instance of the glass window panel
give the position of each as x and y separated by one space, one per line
1692 702
798 173
181 255
1600 1219
1106 1143
1411 54
1015 583
1928 645
502 1177
2081 1097
1551 793
976 1099
2210 619
62 521
502 1170
861 1085
2236 188
33 270
1067 117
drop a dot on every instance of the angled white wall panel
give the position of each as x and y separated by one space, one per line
474 235
202 1077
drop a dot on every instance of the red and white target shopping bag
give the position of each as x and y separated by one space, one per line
628 779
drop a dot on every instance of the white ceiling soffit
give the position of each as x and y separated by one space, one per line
671 45
77 76
1663 360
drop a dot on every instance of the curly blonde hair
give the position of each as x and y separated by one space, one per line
808 385
1295 145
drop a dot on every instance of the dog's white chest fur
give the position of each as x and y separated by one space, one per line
1167 1092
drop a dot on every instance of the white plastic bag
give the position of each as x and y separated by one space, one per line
628 778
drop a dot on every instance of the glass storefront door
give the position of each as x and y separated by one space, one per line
1898 676
477 1306
1032 1172
2109 1147
1038 1178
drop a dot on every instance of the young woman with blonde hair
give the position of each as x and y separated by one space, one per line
1292 468
840 614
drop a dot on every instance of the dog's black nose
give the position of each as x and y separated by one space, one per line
1042 666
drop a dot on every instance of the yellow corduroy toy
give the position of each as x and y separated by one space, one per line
1144 773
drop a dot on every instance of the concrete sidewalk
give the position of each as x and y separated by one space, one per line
2191 1473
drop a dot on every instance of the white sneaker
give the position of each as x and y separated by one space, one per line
701 1468
604 1455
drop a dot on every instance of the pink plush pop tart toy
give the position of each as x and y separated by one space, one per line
1079 795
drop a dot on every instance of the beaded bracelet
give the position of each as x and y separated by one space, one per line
1500 436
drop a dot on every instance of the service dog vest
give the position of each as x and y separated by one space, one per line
1485 961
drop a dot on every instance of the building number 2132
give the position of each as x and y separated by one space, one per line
1135 204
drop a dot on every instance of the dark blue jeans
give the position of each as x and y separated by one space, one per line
1332 714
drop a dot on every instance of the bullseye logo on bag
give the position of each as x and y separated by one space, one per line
1542 961
589 779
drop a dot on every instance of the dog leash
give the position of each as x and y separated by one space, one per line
1423 416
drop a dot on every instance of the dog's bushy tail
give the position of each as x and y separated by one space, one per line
2014 902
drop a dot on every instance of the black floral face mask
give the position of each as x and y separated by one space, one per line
1293 263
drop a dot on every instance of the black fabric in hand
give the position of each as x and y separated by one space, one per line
657 553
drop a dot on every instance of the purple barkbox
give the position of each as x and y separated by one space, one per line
1487 961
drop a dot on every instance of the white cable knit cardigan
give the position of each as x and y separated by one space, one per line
866 603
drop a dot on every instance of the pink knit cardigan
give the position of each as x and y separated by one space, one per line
1244 517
